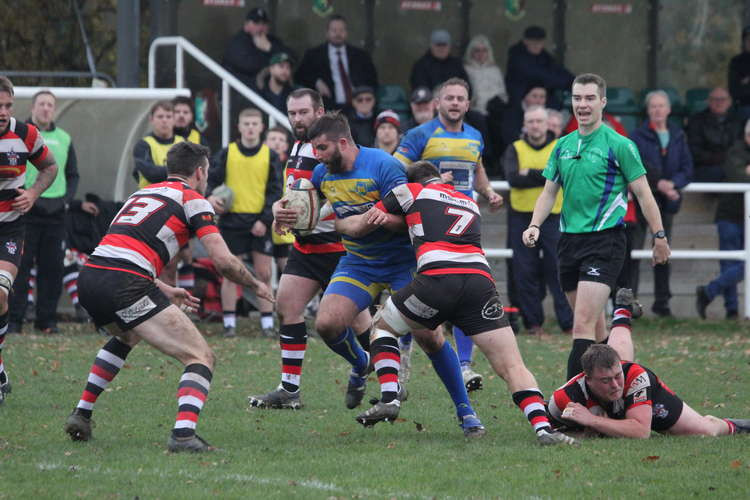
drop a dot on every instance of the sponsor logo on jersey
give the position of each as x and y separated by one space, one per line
640 396
12 157
136 310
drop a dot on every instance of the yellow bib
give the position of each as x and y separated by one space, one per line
524 199
247 176
158 154
194 136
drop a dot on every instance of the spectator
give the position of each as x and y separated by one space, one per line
485 77
739 77
665 154
710 134
277 139
555 122
437 65
511 118
250 50
335 68
45 222
150 153
184 121
730 222
422 107
524 161
529 62
361 116
387 131
275 83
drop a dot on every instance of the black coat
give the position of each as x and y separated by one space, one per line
316 64
244 60
739 68
525 69
429 71
731 206
363 131
709 138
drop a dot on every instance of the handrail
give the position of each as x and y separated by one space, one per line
62 74
693 187
181 45
91 93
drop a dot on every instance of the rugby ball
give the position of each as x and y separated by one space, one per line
225 194
303 197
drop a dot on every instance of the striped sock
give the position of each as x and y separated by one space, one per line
386 359
448 369
531 403
622 316
107 364
186 276
191 396
730 424
293 341
3 331
70 282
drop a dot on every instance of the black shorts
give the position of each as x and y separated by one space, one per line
597 256
665 410
11 241
281 251
242 241
469 301
315 266
119 296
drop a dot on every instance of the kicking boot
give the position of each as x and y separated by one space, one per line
193 444
471 426
4 389
277 399
355 390
549 437
381 412
78 426
625 297
230 332
472 380
742 426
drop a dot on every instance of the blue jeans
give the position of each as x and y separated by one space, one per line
731 237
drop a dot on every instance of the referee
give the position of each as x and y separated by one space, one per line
595 166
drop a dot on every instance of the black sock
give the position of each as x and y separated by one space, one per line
574 359
364 340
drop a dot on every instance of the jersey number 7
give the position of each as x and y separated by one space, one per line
464 218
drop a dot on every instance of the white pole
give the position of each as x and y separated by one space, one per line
747 254
179 69
224 113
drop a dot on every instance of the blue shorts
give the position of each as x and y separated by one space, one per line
362 282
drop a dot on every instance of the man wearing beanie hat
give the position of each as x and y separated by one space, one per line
437 64
387 131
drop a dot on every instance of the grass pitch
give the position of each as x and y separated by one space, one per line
321 452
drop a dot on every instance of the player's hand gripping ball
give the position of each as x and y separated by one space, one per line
303 197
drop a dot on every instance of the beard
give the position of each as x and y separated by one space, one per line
300 132
335 165
449 120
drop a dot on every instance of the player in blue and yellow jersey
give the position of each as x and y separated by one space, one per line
455 148
353 179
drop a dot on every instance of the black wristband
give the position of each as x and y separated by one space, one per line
533 225
660 234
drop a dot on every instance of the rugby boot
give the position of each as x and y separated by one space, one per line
471 426
472 380
381 412
355 389
277 399
192 444
78 426
742 425
4 389
230 332
551 437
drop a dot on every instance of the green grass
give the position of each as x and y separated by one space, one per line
321 452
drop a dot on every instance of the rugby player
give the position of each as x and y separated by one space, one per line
118 285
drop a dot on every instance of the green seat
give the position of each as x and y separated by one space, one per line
563 97
621 101
696 100
392 97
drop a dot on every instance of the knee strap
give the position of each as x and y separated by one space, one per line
391 316
6 281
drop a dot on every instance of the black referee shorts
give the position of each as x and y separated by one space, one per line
597 256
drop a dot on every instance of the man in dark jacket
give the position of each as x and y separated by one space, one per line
739 77
361 116
437 65
275 83
335 68
710 134
665 154
730 222
529 62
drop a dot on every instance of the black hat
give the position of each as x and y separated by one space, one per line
535 33
420 95
258 15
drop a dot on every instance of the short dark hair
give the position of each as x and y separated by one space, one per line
333 125
421 171
314 96
453 81
335 17
40 93
165 105
181 99
6 85
599 356
185 157
279 129
586 78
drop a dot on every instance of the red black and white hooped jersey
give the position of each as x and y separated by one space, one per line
151 227
444 227
21 142
641 387
323 239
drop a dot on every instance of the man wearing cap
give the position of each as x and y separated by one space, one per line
422 107
387 131
275 83
361 116
529 62
335 68
250 50
437 65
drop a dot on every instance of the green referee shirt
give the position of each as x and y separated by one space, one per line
594 170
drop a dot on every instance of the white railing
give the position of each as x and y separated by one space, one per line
92 93
695 187
228 80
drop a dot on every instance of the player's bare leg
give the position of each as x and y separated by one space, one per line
262 268
695 424
229 297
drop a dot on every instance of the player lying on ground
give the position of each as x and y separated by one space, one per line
118 285
454 283
624 399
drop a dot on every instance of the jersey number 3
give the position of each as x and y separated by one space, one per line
464 218
138 210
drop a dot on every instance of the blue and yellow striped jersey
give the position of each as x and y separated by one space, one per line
457 152
374 174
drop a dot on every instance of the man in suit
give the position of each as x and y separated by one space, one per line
335 67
